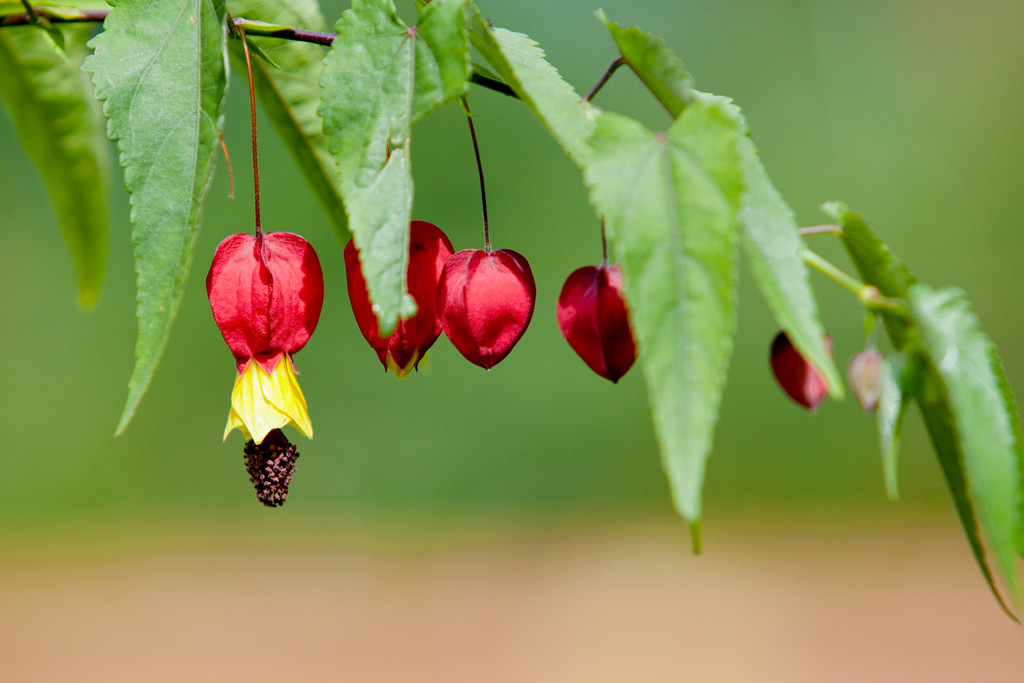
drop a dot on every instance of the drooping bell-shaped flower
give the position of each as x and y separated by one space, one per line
593 318
485 301
402 350
266 292
799 379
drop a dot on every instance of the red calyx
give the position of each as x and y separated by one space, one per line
429 248
798 378
593 318
266 293
485 302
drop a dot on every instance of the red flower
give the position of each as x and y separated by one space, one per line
266 292
593 319
403 349
485 302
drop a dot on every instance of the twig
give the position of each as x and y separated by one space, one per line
251 27
604 79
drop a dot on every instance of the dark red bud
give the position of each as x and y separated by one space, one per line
798 378
593 318
266 294
484 302
429 249
864 374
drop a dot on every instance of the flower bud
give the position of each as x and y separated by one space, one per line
402 350
864 374
266 293
593 319
798 378
485 302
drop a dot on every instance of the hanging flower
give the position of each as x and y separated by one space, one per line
404 348
798 378
266 292
593 318
485 301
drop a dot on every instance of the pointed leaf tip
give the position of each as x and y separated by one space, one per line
54 112
670 207
167 123
986 426
696 537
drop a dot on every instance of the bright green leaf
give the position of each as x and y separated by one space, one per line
654 64
898 382
769 229
54 9
159 67
54 34
939 422
521 65
879 267
255 50
58 121
379 77
876 263
290 95
985 421
772 247
70 6
670 203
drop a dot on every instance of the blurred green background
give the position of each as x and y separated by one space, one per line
908 110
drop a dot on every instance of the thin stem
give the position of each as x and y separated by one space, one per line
252 110
63 17
871 343
821 230
227 160
604 245
259 28
30 11
255 28
868 295
604 79
480 172
492 84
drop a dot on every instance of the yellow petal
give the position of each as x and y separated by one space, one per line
398 370
261 403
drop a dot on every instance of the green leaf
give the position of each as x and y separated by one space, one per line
160 69
654 64
938 420
70 6
521 65
772 247
54 34
379 77
985 421
255 51
59 123
670 203
877 265
770 234
53 9
290 95
899 383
